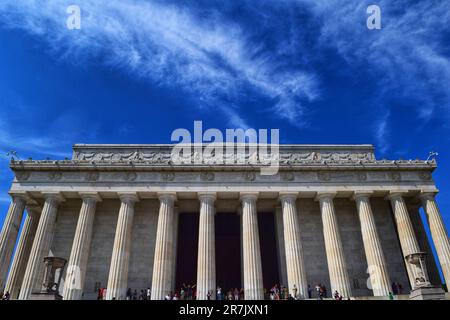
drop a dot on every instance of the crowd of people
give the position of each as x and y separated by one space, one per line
189 292
5 296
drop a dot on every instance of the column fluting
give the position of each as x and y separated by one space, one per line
405 230
164 246
337 268
118 271
438 232
41 245
8 235
297 282
376 262
76 269
206 264
23 249
253 278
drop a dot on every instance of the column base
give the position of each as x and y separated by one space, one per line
427 293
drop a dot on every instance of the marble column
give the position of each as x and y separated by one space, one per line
405 230
281 251
438 232
41 244
176 216
164 246
8 235
206 262
337 268
376 262
118 271
297 282
76 267
23 249
253 278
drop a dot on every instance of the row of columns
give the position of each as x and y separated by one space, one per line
35 240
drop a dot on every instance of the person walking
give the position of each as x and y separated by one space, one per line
129 294
394 288
236 294
319 291
309 292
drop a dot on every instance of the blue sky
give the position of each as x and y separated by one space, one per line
137 70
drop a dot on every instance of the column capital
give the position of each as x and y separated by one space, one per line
282 196
428 194
246 196
90 195
396 194
328 195
55 196
20 195
128 197
361 195
203 196
171 196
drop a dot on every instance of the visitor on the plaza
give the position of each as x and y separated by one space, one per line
276 292
229 295
129 294
284 293
167 297
400 287
219 293
309 292
189 292
391 296
149 293
6 296
394 288
242 294
337 296
319 291
236 294
324 291
142 295
175 296
294 289
100 294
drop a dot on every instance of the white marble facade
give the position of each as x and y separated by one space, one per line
112 211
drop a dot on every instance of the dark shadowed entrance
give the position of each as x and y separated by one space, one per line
268 243
186 271
228 251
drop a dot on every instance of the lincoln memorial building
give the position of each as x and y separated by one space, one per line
127 216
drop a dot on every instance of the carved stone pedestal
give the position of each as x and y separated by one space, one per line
54 268
427 293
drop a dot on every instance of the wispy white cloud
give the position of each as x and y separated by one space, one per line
381 130
408 56
208 58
